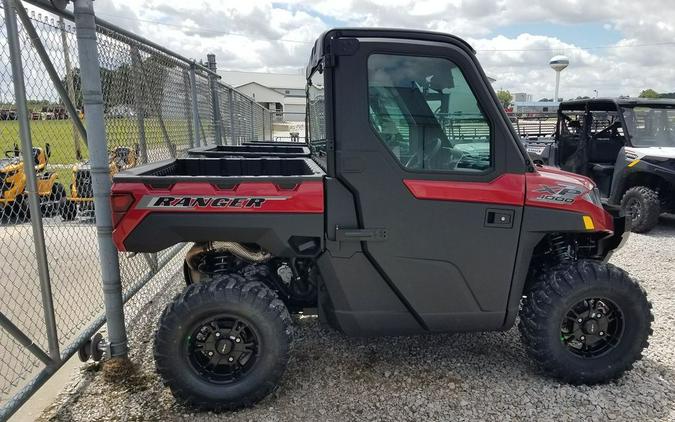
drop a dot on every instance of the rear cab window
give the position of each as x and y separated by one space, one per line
316 116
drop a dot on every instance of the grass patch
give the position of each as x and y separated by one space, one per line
119 131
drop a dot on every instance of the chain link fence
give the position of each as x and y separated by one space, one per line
157 105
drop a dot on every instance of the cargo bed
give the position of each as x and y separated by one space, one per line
276 143
250 151
206 199
221 170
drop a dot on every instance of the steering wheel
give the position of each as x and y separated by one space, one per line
416 160
433 153
456 157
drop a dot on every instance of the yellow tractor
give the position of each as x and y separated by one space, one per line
13 199
81 191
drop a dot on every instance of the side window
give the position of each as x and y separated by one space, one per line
316 115
424 111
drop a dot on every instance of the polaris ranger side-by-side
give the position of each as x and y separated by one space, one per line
626 146
419 211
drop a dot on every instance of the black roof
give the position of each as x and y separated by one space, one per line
321 43
613 103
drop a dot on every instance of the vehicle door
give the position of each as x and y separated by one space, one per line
423 147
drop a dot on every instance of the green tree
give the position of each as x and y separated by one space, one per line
74 76
649 93
504 97
38 105
116 83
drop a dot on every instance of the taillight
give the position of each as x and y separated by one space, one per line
120 204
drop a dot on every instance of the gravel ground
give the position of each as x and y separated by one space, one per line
479 376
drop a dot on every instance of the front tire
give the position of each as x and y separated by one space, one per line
223 345
643 207
586 322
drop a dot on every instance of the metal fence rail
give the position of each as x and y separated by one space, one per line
156 105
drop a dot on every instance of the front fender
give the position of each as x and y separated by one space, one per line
610 244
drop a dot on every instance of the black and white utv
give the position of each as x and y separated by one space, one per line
627 146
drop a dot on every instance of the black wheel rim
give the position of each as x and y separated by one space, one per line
592 327
223 349
634 209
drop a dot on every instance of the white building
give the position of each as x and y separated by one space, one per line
535 106
283 93
522 97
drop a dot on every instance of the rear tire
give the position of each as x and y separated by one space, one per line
224 344
642 207
611 335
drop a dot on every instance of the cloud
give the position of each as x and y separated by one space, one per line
123 15
261 35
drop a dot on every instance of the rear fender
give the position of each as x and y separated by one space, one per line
284 220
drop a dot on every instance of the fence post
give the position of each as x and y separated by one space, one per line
85 26
137 88
231 107
70 85
195 110
253 137
270 119
31 179
217 118
186 101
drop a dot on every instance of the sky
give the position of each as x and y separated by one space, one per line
615 47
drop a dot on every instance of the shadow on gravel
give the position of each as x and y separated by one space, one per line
666 225
664 230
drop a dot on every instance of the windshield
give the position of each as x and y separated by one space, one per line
650 126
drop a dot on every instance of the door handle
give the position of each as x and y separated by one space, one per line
495 217
343 234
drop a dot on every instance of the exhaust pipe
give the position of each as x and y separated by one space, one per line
234 248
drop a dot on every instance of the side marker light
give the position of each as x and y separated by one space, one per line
588 222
